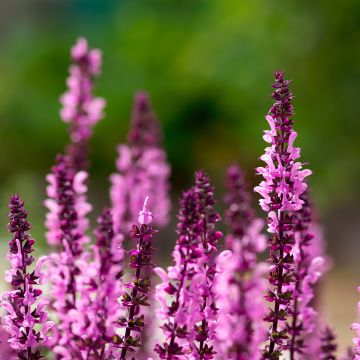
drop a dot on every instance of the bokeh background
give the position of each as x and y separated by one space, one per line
208 65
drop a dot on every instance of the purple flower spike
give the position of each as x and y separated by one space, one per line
281 189
138 296
145 128
309 267
80 108
26 319
189 318
66 223
97 307
142 170
240 280
328 345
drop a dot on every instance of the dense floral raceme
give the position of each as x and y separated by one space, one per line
240 280
26 318
66 223
281 192
328 345
99 288
138 292
142 170
187 306
309 267
79 106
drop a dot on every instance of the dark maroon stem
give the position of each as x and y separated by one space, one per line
133 295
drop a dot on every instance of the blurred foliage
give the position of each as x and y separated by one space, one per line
208 65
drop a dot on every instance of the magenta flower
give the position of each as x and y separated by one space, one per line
281 189
142 170
240 280
189 318
67 224
26 318
80 108
137 297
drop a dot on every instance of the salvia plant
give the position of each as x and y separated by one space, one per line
243 295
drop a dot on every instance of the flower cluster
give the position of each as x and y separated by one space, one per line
66 223
189 318
79 107
308 269
210 304
240 282
97 307
26 319
328 345
140 259
281 192
142 170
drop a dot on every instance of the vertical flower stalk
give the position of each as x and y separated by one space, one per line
240 280
328 345
140 259
79 106
26 318
98 308
202 332
308 270
142 170
189 319
281 189
66 223
175 282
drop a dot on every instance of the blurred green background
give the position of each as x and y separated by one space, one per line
208 65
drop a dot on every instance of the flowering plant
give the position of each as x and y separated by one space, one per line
211 300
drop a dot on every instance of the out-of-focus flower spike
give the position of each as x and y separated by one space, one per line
142 170
309 267
99 288
67 224
79 106
328 345
240 280
189 318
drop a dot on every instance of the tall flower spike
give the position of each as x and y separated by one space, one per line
137 297
98 309
328 345
142 170
189 319
79 107
26 319
281 189
240 280
308 270
66 223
